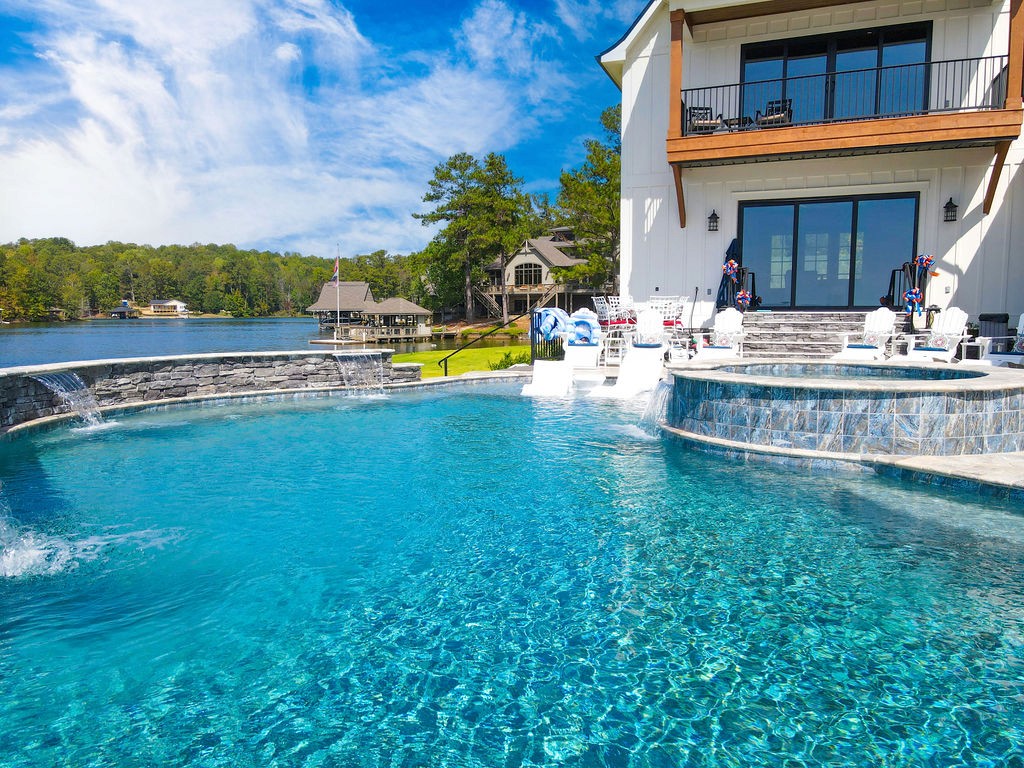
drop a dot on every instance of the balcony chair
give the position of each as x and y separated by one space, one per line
777 112
725 339
869 343
1003 350
941 342
702 120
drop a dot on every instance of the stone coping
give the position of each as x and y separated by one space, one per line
1001 472
983 378
254 394
28 370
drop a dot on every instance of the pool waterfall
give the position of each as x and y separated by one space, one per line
73 392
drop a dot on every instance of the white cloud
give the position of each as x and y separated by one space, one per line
255 121
583 16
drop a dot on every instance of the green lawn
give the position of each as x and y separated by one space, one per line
467 360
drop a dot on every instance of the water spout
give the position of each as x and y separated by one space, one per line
362 373
656 412
72 392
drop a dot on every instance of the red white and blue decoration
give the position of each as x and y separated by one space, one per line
913 297
743 299
731 268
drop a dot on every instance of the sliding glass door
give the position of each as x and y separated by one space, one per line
835 252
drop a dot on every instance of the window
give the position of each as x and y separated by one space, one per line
528 274
833 252
846 76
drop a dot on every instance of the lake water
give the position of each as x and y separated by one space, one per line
39 343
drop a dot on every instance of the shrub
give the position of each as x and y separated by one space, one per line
509 359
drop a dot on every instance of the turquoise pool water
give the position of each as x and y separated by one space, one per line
466 577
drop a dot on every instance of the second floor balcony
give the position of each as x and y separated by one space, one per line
929 105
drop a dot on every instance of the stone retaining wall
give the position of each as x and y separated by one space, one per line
140 380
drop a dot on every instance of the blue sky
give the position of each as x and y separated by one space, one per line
283 124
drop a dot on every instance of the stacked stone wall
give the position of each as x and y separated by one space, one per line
127 382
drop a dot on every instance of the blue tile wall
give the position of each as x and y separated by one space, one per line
833 420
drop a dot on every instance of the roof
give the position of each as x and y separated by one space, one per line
344 296
548 249
398 306
614 58
165 302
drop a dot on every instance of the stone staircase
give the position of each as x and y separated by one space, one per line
800 335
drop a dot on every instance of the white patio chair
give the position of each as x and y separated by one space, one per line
941 342
725 339
650 329
1002 350
869 343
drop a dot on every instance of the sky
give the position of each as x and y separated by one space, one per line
310 126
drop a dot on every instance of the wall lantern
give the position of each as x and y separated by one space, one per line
713 221
949 210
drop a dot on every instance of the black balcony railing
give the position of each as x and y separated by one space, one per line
863 94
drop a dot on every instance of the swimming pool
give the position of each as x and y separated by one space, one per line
461 576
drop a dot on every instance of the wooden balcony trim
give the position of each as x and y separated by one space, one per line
925 131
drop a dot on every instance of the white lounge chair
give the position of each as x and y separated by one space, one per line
551 378
1002 350
869 343
725 339
942 340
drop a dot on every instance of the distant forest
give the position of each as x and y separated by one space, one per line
483 213
37 276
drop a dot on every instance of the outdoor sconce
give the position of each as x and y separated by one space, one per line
949 210
713 221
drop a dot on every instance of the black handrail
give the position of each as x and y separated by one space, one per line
933 87
444 360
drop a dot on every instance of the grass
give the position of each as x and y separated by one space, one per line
467 360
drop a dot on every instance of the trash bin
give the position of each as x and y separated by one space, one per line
993 325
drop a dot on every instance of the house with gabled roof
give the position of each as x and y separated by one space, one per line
530 280
825 143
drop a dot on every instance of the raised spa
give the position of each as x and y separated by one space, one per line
852 408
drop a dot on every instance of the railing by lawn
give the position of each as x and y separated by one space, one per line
959 85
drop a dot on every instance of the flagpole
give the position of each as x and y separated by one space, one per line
337 292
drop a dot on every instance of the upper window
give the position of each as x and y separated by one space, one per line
527 274
843 76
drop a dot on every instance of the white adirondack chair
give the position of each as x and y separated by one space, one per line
941 342
725 339
869 343
1002 350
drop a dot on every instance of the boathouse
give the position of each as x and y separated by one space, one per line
350 308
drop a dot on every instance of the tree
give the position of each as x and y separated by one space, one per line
589 200
483 209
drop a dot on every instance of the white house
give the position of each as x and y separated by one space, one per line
833 141
168 307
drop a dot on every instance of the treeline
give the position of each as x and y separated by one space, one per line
480 207
37 276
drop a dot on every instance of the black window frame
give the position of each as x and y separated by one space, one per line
831 43
795 255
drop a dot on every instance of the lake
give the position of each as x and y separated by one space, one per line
39 343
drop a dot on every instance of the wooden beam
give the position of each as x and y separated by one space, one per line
677 175
982 127
993 177
675 76
1015 65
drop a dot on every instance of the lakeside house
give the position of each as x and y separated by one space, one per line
828 143
168 308
350 309
529 280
